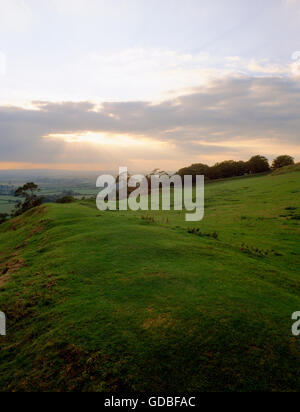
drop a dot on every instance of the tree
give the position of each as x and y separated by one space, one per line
241 168
282 161
29 193
194 170
258 164
228 168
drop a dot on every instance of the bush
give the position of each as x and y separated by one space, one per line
66 199
196 231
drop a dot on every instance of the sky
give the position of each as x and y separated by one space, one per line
98 84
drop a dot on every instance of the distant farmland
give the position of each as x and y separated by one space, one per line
7 203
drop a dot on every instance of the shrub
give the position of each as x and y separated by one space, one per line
197 232
148 219
66 199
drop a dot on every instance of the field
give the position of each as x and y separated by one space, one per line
144 301
7 203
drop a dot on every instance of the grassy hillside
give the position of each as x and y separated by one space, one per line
143 301
287 169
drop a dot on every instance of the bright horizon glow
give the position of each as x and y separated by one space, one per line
105 139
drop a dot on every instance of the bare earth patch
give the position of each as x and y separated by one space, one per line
12 265
162 320
3 280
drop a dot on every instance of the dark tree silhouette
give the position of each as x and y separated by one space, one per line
66 199
31 199
194 170
258 164
228 168
282 161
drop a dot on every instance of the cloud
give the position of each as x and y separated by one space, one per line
95 8
292 2
136 73
293 6
235 117
2 63
15 15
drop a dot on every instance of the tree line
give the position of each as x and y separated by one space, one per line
232 168
30 198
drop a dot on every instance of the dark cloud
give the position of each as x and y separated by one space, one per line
239 109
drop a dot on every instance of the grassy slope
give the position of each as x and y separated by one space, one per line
287 169
109 301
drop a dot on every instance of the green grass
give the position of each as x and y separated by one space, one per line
140 301
287 169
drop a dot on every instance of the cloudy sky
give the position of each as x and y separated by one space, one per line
97 84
